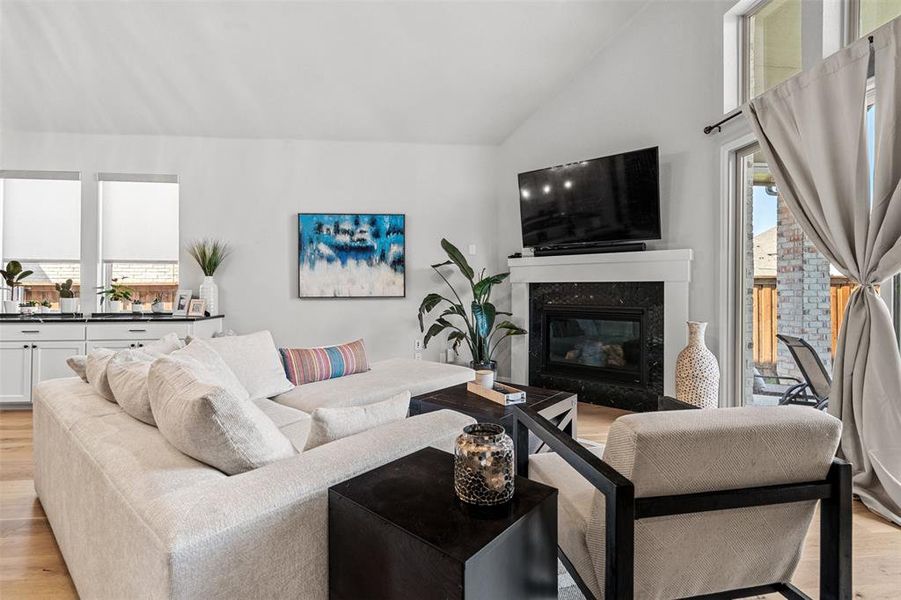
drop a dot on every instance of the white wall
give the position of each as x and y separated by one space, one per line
249 192
657 84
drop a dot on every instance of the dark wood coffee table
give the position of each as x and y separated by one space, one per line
557 407
399 532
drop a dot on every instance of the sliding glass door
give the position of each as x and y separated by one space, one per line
785 286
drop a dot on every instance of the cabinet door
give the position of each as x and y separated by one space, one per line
113 345
49 360
15 372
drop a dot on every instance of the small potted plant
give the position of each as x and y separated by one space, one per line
13 276
157 305
68 303
28 308
46 307
116 293
137 306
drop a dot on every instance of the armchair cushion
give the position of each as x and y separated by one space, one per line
574 505
683 452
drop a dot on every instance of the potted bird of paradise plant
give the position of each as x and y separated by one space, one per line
473 322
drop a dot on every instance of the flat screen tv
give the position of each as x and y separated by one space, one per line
592 202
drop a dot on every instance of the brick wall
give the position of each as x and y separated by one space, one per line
803 282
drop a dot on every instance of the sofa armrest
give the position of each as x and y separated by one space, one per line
264 533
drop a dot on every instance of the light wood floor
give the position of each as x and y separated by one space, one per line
32 567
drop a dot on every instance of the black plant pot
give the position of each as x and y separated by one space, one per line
491 365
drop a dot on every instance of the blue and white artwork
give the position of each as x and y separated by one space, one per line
351 256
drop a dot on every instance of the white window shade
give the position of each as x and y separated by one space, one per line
41 219
139 221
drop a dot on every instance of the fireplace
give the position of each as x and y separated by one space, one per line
598 343
601 340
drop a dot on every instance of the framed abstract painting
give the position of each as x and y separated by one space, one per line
351 255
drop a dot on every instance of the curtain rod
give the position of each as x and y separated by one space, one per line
719 124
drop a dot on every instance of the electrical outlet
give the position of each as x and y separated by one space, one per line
472 249
417 344
417 356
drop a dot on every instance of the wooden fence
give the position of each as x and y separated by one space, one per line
144 292
765 309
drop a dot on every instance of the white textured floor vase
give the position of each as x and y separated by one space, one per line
697 371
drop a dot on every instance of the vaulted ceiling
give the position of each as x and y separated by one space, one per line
416 71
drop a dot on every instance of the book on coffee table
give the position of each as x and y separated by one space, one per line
502 394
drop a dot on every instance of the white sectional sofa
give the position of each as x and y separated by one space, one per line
136 518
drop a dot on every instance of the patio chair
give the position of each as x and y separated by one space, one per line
698 503
814 390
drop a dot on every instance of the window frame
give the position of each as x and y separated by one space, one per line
47 175
104 267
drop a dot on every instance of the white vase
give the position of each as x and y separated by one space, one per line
115 306
209 293
10 307
697 370
157 307
68 305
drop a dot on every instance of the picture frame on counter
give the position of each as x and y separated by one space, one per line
181 302
196 307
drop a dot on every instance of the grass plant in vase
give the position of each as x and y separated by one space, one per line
478 326
209 254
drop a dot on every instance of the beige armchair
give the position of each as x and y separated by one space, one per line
699 503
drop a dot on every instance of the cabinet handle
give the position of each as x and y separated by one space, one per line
132 345
137 330
140 345
26 346
34 345
31 331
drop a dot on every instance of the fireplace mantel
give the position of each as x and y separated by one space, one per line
672 267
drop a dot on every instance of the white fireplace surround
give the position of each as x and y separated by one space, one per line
672 267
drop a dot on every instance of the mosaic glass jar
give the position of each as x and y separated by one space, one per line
483 465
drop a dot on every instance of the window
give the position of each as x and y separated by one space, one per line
139 243
771 45
865 16
40 226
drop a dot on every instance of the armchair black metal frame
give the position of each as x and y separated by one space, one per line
623 509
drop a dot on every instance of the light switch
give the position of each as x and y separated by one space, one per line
472 249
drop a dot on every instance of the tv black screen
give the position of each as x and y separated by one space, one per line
610 199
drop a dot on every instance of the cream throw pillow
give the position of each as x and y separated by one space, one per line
98 361
208 417
255 361
330 424
79 364
126 373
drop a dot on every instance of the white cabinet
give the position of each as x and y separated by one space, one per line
48 360
34 351
15 372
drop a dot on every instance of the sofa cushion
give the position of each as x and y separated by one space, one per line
208 419
294 424
306 365
255 361
98 360
384 379
127 376
330 424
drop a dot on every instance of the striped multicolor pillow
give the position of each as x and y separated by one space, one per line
306 365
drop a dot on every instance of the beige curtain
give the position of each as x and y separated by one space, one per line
812 132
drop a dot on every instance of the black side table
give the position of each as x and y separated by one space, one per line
399 532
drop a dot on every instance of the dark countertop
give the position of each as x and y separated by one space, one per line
101 318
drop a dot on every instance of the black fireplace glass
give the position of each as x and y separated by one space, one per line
595 342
